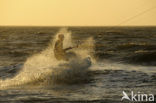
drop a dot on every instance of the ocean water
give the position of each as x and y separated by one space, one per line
120 59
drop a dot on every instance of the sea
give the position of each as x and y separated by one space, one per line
109 60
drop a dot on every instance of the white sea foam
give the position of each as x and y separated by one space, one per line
43 68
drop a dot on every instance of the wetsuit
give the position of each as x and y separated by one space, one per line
59 52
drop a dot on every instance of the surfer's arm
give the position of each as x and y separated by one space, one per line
66 49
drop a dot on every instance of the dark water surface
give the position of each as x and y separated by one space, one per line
126 61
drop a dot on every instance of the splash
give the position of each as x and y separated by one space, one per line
43 68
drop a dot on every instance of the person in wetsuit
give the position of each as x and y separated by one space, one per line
59 52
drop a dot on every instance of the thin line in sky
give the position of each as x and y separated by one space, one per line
139 14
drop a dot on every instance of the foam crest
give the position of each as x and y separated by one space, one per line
43 68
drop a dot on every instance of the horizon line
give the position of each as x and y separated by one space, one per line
78 25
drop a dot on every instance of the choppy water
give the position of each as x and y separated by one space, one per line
125 60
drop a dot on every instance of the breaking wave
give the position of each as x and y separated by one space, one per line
43 68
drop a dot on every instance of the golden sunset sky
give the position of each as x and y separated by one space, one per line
78 12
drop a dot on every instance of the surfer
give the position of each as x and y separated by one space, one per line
59 52
58 49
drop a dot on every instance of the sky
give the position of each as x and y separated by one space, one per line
78 12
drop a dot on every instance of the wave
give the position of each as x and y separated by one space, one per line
142 57
43 69
132 45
